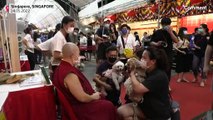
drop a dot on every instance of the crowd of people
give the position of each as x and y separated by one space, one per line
156 53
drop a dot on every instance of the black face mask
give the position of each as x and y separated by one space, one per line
112 59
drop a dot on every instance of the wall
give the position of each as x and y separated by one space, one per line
149 26
191 22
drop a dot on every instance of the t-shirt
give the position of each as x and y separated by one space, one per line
114 94
101 52
56 45
163 35
45 46
102 31
30 43
83 41
156 104
129 42
200 41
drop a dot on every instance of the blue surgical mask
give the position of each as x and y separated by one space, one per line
124 31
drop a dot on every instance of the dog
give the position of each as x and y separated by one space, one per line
134 64
116 74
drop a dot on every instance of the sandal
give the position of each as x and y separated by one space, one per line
185 80
194 81
202 84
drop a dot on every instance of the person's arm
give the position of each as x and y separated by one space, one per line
72 82
24 41
57 55
207 58
98 81
173 36
136 85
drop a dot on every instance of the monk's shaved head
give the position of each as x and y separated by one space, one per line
70 49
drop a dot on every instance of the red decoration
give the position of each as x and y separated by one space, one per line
7 8
131 13
154 8
179 7
112 17
193 2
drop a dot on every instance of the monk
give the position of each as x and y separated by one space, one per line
86 103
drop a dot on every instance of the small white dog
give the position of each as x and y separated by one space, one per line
116 74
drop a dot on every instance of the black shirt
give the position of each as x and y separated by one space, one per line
163 35
101 52
102 31
200 41
156 104
112 95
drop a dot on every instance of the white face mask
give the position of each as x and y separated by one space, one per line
185 32
77 61
70 30
107 25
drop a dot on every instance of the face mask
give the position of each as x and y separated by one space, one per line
185 32
124 31
70 30
112 59
75 33
200 30
106 25
76 61
166 27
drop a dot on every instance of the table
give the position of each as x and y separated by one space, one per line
36 102
24 64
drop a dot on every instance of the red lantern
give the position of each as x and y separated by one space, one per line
131 13
193 2
112 17
7 8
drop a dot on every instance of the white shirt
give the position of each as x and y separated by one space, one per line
30 43
129 42
83 41
38 41
45 46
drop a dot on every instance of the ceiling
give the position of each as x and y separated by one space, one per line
81 3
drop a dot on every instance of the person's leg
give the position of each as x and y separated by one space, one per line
126 112
183 78
195 67
203 75
31 58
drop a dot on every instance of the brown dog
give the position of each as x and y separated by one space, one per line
134 64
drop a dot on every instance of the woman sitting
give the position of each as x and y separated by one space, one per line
155 91
85 102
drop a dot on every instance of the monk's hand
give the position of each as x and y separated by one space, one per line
96 95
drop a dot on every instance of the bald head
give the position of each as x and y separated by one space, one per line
70 49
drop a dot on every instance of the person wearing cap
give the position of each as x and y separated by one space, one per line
102 38
167 35
125 41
